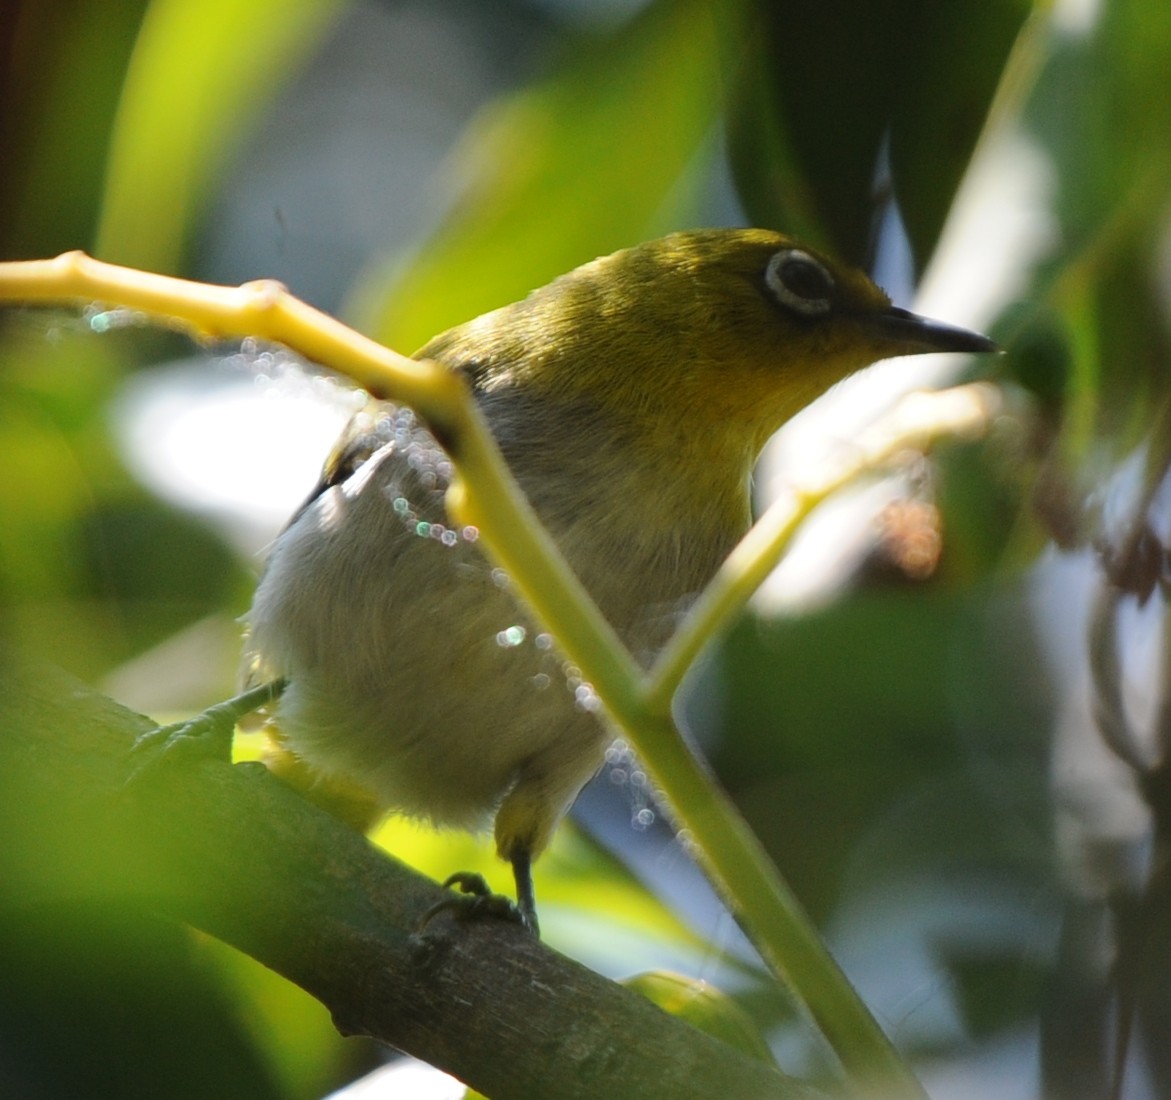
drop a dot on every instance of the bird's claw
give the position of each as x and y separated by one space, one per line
201 738
207 736
475 901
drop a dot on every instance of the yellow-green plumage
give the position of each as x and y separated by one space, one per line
630 398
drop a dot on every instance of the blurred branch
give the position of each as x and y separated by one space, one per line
231 850
915 424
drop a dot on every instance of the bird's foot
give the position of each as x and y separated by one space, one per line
476 901
207 736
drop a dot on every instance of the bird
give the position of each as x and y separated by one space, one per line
630 399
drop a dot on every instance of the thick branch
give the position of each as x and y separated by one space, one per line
233 851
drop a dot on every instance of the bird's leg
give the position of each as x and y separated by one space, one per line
208 734
526 898
524 823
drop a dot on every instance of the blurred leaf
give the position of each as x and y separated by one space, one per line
199 77
160 567
91 568
292 1031
704 1007
827 85
1101 114
979 497
55 452
993 989
866 710
1098 113
953 60
61 69
101 1003
601 156
1040 359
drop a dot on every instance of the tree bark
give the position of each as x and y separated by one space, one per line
234 852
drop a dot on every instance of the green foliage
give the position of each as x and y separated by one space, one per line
200 76
605 152
1099 113
59 90
703 1007
76 975
828 87
890 749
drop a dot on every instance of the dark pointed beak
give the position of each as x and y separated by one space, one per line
915 335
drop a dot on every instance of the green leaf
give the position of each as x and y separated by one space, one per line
1101 114
826 85
199 77
704 1007
602 155
58 94
955 57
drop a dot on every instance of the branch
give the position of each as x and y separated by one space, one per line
232 851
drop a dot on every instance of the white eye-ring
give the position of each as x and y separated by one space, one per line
799 282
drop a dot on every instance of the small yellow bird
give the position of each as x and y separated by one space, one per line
630 399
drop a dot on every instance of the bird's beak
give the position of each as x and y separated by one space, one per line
915 335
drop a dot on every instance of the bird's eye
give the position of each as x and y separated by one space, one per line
799 282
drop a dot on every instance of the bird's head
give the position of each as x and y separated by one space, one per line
721 331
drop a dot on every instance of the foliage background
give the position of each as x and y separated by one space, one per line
923 759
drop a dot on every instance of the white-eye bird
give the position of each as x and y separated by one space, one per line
630 398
